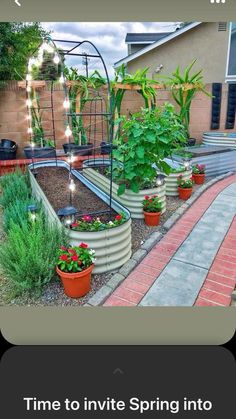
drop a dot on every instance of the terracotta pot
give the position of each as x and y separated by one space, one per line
152 218
185 193
199 178
76 284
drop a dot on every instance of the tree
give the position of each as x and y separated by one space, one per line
18 41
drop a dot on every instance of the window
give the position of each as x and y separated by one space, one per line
231 65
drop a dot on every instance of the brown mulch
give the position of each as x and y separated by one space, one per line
55 180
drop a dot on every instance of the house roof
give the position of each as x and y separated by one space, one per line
143 38
156 44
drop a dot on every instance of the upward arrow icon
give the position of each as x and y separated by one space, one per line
118 371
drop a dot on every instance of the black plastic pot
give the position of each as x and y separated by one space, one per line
80 150
191 142
8 149
40 152
107 147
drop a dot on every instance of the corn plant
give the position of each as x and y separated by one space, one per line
81 86
138 78
183 88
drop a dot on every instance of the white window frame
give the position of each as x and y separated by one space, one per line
229 78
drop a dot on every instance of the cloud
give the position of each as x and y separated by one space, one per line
108 37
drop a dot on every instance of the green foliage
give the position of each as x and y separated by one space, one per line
152 204
138 78
37 124
147 138
182 92
15 188
49 71
75 258
184 183
16 213
29 255
18 41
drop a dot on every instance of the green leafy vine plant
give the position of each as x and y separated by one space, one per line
184 88
37 124
146 139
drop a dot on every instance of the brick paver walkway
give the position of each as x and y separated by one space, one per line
194 263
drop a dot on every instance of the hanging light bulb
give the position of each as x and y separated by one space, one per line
31 63
66 104
29 103
28 77
186 164
68 131
72 185
56 59
62 79
28 89
30 130
32 144
71 158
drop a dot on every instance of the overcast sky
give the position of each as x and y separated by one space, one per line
109 38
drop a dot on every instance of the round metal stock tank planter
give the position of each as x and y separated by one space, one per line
221 139
132 201
112 246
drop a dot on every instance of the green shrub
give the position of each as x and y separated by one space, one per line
17 213
29 254
14 187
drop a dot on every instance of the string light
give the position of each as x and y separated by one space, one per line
56 59
186 164
71 158
29 103
68 131
62 79
32 144
66 104
72 185
37 61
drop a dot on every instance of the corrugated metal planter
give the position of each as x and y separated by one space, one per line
171 179
222 139
132 201
112 246
216 164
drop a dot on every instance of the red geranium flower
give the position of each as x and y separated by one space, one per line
73 252
119 217
87 218
63 248
75 224
83 245
74 258
146 197
64 257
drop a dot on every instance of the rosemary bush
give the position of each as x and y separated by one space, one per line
14 187
29 254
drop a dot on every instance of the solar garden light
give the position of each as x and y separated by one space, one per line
160 180
32 210
67 215
186 164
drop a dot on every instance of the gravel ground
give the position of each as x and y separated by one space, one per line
52 293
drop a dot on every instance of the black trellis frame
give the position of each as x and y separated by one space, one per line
107 115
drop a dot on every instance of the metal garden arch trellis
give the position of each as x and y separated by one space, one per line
49 45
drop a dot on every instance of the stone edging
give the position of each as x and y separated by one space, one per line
101 295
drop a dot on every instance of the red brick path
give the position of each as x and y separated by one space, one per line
221 278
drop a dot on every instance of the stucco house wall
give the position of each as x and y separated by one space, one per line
205 43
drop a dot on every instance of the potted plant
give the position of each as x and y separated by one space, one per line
185 188
8 149
43 147
153 135
152 210
184 88
199 173
74 267
79 95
